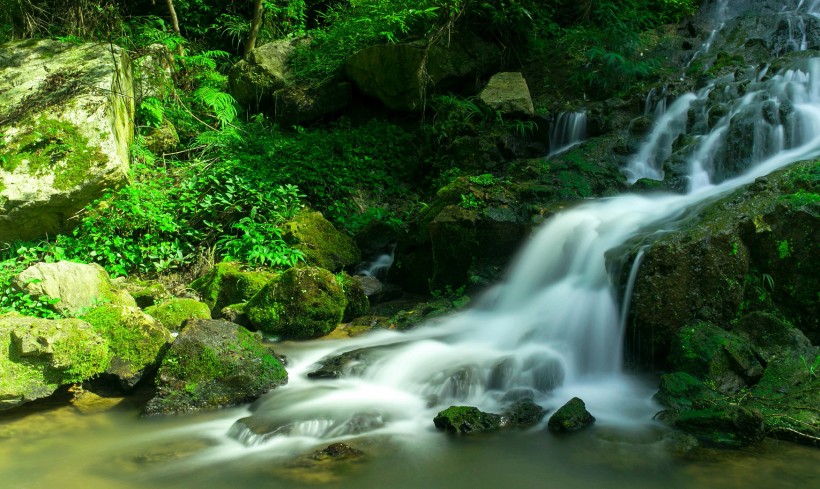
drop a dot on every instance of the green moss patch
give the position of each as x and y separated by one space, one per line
173 312
227 283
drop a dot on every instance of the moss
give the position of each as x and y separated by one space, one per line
52 146
320 242
301 303
357 302
173 312
570 417
228 284
679 390
132 337
466 419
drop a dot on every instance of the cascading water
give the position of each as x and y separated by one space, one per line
567 130
553 330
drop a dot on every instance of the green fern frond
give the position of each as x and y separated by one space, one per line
222 105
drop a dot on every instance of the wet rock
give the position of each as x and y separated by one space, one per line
572 416
466 419
212 364
337 451
300 303
728 426
522 414
344 364
358 303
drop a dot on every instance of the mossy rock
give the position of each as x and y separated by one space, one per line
320 242
466 419
39 355
227 283
135 341
679 390
300 303
714 354
213 364
358 303
146 293
572 416
173 312
727 425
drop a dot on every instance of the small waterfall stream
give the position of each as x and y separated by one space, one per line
567 130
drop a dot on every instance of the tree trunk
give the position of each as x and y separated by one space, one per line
256 23
174 23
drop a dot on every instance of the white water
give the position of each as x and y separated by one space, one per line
552 331
567 131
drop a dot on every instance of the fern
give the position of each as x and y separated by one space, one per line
152 111
222 105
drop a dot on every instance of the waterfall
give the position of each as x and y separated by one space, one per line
567 130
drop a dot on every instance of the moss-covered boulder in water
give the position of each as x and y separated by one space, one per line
357 301
571 416
724 425
300 303
466 419
213 364
135 340
78 286
172 312
322 245
227 283
39 355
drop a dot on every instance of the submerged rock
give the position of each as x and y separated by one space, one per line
571 416
214 364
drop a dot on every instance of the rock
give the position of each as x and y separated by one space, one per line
227 284
135 341
78 286
339 365
162 139
337 451
265 70
320 242
376 291
153 71
752 250
235 313
571 416
466 419
357 301
67 121
301 104
212 364
300 303
680 390
145 292
523 414
729 426
39 355
508 94
173 312
398 74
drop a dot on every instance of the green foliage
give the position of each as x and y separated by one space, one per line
783 249
814 368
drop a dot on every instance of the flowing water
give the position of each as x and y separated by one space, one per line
551 331
567 130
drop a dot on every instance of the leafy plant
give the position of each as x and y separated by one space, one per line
812 369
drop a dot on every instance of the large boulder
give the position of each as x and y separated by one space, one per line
78 286
153 73
39 355
400 75
135 341
756 249
321 243
213 364
300 303
66 124
265 70
508 93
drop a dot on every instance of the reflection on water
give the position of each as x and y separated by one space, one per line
67 446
